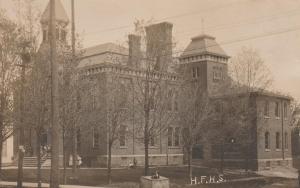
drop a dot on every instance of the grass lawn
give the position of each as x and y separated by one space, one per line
130 177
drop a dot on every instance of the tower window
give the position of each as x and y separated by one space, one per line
57 33
63 35
217 74
196 72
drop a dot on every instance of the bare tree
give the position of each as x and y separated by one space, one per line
249 71
36 84
154 89
194 113
9 58
69 92
38 105
117 114
236 112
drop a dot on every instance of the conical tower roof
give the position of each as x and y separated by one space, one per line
60 13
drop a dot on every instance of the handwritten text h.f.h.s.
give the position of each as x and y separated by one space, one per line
208 179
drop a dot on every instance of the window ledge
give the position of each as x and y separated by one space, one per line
153 147
267 117
277 117
174 147
123 147
278 150
267 150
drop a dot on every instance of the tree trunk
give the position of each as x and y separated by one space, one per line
246 159
222 158
146 144
1 148
74 152
190 151
64 158
38 150
146 139
299 178
109 164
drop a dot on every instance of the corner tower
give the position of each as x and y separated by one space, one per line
61 20
205 62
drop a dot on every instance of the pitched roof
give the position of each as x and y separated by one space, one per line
60 13
203 44
106 47
103 53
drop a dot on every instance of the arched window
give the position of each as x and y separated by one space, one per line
277 140
170 136
122 136
78 138
177 136
95 138
286 143
267 140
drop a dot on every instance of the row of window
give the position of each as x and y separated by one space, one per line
172 99
217 73
173 137
277 140
277 109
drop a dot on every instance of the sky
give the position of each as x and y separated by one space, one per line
270 26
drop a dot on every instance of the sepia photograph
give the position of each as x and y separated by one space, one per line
149 94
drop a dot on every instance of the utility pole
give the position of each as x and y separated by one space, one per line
25 60
54 175
74 154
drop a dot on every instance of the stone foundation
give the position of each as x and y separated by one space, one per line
254 164
126 160
265 164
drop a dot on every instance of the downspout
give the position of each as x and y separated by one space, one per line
282 137
133 124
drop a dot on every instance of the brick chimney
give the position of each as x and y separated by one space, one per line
134 42
159 45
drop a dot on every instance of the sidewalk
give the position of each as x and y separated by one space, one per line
283 172
44 185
